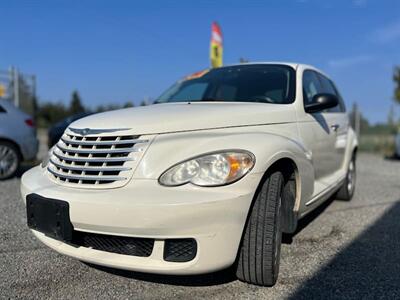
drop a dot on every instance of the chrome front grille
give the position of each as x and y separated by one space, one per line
95 160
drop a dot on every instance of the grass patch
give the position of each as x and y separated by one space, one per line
377 143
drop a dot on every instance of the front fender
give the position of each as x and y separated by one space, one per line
170 149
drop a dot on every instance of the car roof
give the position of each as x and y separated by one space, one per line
7 105
290 64
11 108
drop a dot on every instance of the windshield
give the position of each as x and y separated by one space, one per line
243 83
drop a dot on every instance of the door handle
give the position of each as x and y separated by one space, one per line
335 127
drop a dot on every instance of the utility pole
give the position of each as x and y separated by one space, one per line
33 97
15 80
34 86
357 121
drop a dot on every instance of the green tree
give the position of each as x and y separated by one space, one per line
391 117
100 108
76 104
396 79
364 124
128 104
35 107
107 107
49 113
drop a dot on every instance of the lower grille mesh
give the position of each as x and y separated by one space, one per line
180 250
116 244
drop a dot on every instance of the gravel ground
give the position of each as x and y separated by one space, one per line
343 250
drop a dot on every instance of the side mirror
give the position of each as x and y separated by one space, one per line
321 102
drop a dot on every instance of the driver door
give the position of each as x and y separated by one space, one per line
316 130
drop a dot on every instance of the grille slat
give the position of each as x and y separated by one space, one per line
85 177
91 159
86 167
95 160
94 151
89 142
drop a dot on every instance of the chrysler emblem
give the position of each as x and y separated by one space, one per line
85 131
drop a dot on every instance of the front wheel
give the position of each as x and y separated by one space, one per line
259 254
346 192
9 160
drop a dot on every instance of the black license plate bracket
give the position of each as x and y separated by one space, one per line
49 216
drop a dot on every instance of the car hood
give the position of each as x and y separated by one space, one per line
177 117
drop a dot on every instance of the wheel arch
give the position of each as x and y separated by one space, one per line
355 151
290 170
292 180
291 193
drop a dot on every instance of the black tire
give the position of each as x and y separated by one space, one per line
10 160
259 253
346 191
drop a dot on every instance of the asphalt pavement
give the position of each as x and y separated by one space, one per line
343 250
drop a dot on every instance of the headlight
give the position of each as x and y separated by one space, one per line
46 159
212 169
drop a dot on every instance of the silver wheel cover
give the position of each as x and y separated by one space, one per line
351 177
8 161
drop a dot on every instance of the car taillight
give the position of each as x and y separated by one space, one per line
30 122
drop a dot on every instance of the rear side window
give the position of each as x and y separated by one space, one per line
329 88
2 110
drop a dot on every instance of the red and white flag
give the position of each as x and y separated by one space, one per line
216 46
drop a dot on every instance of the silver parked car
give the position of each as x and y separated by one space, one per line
18 140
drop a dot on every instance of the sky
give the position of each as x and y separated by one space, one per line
119 51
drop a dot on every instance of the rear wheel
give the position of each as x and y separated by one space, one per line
346 192
259 254
9 160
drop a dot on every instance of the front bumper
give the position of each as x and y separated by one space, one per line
214 217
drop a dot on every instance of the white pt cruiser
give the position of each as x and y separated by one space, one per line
208 177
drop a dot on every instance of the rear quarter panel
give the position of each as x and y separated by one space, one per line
13 128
